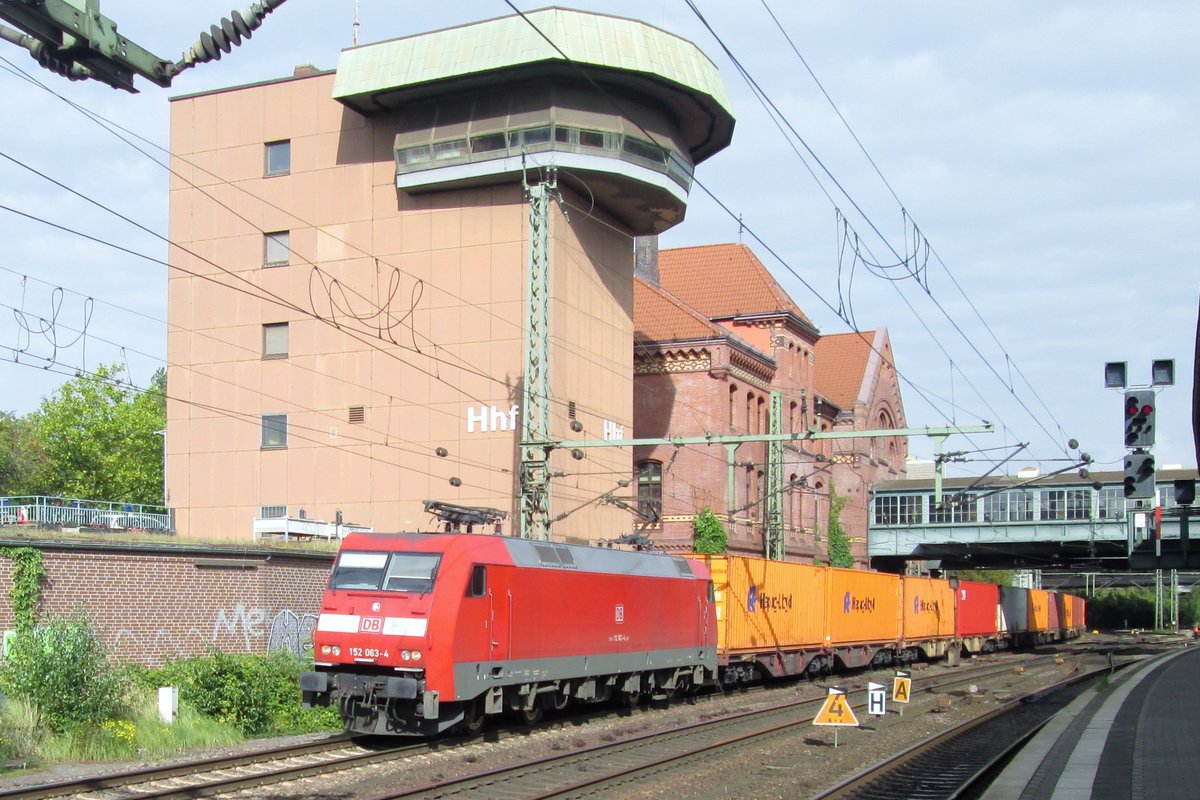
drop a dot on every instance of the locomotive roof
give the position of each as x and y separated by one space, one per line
532 553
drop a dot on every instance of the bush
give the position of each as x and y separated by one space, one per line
709 534
257 695
62 670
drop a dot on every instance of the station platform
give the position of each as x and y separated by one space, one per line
1137 738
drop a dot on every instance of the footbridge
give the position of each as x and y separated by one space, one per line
1061 521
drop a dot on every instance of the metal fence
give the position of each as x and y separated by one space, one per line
70 512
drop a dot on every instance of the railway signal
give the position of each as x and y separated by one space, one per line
1139 418
1139 476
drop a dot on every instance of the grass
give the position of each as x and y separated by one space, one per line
19 532
24 744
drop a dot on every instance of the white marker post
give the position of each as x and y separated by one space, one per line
876 699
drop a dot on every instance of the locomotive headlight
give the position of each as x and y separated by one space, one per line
416 655
325 649
376 606
405 655
337 651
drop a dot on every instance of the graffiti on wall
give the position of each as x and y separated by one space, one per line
288 632
292 633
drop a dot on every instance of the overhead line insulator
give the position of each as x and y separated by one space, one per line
229 34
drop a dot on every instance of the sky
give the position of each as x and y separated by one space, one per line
1009 187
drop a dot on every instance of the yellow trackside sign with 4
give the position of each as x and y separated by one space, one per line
836 710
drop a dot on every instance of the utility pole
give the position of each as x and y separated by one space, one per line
534 504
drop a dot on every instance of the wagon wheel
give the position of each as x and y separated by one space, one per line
475 717
531 716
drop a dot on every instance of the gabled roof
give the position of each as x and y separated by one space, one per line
841 365
723 281
659 317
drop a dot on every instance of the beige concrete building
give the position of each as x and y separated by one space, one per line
349 291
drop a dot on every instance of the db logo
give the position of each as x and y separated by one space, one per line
371 625
620 615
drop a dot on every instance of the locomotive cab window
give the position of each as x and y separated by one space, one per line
478 585
394 572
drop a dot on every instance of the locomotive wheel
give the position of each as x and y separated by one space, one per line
474 718
531 716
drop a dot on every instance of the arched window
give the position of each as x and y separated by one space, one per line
649 492
732 394
750 412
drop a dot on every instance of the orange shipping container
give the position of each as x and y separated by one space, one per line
1067 610
1038 618
767 605
863 606
928 609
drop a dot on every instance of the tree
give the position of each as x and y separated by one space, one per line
22 459
838 541
1000 577
98 435
708 534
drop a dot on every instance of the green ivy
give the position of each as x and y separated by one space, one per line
839 542
28 571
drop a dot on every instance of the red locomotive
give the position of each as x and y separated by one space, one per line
421 632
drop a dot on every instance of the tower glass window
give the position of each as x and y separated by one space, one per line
274 431
279 158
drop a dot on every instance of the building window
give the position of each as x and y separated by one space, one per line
275 340
995 508
1054 505
1112 503
898 510
1166 496
274 431
1079 503
272 512
732 403
279 158
277 249
953 508
649 491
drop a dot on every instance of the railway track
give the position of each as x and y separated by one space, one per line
604 764
207 777
963 760
603 770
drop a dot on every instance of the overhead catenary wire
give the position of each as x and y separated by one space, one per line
926 243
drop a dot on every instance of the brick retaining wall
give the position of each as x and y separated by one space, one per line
150 603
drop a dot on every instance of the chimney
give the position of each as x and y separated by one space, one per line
304 70
645 258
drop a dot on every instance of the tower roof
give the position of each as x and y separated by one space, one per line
619 52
